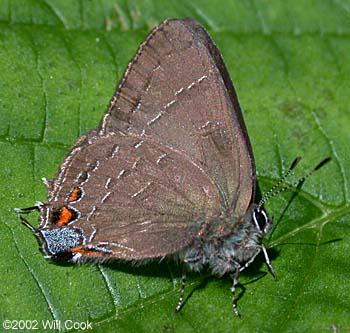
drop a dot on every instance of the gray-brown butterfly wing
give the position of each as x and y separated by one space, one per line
133 196
177 91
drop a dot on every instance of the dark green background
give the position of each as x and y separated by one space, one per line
59 64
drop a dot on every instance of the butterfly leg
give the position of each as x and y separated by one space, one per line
183 285
247 264
235 281
268 262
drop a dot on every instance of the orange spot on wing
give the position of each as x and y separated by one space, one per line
65 216
75 194
86 252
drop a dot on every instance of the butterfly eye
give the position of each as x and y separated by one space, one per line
262 220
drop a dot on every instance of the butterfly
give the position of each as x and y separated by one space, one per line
169 172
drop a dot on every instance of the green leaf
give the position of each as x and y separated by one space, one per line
60 62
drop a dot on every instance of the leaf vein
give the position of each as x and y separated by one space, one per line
31 271
335 154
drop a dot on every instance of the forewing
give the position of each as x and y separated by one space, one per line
137 198
177 91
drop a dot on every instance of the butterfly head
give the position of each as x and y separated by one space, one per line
261 219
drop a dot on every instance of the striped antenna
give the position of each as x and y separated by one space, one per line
274 189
